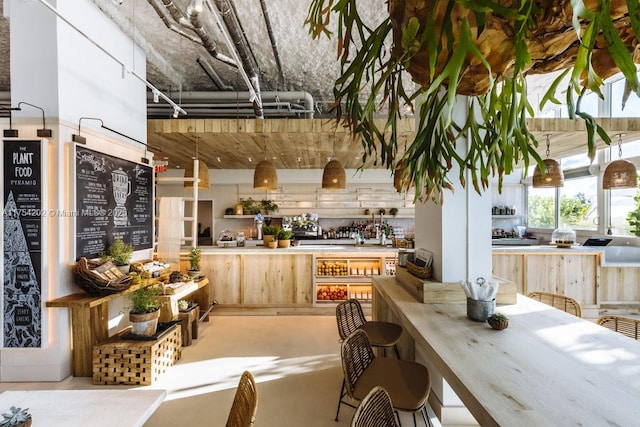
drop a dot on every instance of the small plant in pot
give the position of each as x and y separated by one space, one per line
194 260
119 253
284 238
269 206
498 321
269 233
144 310
17 417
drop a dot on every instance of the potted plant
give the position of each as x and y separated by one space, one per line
144 310
119 253
482 50
269 206
498 321
248 206
284 238
17 417
183 305
194 261
393 211
269 233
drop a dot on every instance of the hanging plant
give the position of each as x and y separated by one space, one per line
479 48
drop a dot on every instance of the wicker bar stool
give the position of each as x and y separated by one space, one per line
245 403
408 383
560 302
624 325
350 317
375 410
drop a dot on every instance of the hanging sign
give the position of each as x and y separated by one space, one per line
23 216
114 198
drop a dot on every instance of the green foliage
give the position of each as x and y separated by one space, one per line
119 252
194 257
270 230
284 234
249 206
144 300
269 206
573 210
498 317
633 217
15 417
498 136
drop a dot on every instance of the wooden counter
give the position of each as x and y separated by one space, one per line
90 322
547 368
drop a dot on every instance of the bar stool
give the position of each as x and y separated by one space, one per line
350 317
376 409
408 383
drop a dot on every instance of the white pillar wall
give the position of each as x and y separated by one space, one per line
57 69
457 231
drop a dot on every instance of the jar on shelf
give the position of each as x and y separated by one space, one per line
563 237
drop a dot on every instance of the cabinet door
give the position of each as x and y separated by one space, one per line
511 268
277 279
575 276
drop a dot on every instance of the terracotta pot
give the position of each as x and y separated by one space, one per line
144 324
284 243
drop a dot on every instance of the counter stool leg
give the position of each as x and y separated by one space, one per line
342 393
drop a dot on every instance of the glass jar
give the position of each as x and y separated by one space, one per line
563 237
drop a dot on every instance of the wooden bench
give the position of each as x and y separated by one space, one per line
623 325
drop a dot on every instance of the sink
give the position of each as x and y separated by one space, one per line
621 255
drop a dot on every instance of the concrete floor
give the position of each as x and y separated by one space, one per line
294 359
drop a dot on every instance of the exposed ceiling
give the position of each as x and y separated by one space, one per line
295 75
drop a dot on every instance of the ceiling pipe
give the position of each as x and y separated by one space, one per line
272 38
211 73
293 97
179 18
241 47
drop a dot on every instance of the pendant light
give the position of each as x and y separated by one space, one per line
265 177
620 173
203 172
553 176
334 176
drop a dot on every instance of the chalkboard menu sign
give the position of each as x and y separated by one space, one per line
23 216
114 198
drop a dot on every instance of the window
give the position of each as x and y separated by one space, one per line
621 201
578 199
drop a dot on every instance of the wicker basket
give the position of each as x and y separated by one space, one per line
99 279
421 272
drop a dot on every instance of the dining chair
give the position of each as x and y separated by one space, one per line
561 302
245 403
375 410
408 383
624 325
350 317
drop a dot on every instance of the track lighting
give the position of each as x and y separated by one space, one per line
176 112
156 96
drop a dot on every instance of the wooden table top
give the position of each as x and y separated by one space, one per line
95 408
547 368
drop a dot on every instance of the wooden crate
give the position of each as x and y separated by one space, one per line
118 361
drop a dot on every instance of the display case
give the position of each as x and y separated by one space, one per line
340 279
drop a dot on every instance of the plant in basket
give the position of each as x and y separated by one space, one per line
144 310
498 321
17 417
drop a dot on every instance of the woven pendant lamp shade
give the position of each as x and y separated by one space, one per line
334 176
203 175
554 177
620 174
265 177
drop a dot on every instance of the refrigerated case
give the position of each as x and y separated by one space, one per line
337 279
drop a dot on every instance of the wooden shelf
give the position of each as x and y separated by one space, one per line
330 216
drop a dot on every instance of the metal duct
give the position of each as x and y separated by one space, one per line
301 98
215 78
272 38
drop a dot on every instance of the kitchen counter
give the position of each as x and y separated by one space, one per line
302 249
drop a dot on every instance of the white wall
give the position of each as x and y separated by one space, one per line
54 67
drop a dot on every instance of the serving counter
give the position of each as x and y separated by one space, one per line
547 368
295 278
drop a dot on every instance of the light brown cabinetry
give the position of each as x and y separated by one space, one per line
574 274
